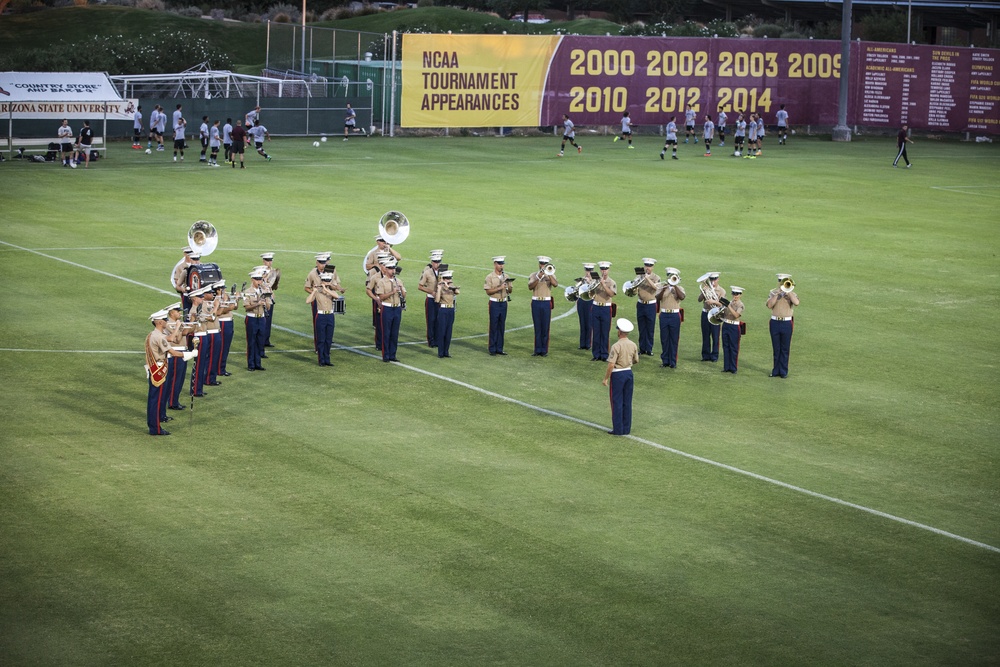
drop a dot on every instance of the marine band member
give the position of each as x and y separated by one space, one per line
541 305
158 349
668 300
731 331
446 292
645 307
709 298
271 279
498 287
622 356
375 274
313 281
602 312
323 297
585 308
782 305
392 296
428 285
382 248
200 315
256 301
177 331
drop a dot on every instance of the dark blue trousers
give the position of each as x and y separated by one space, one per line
377 320
227 342
601 323
156 403
430 317
268 315
670 336
622 383
498 323
541 317
255 341
445 322
199 376
645 316
730 346
709 339
176 372
584 309
325 325
391 317
781 345
215 349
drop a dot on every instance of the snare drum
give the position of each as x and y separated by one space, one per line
338 306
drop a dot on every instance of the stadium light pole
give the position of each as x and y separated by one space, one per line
909 21
303 36
841 132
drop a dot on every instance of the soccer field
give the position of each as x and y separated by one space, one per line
473 510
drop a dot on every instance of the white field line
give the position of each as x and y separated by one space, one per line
588 424
970 190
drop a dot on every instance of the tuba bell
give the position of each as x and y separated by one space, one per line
394 227
203 237
631 287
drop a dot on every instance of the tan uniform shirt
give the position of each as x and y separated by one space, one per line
271 278
385 285
202 315
734 311
542 289
671 297
175 333
493 281
602 294
313 280
782 306
255 303
180 275
158 344
623 354
428 280
323 298
445 295
647 290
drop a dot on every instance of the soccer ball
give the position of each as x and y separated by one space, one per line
149 151
323 139
736 153
793 131
316 144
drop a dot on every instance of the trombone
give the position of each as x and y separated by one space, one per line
787 285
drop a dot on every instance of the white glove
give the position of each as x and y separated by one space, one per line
188 356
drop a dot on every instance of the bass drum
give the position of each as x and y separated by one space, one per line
200 275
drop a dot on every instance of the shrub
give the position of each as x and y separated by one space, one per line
283 13
155 5
425 3
769 30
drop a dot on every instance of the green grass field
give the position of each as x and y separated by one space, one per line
472 510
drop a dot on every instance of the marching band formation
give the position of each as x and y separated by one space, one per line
200 326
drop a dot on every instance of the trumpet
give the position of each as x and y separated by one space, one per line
549 270
673 279
787 285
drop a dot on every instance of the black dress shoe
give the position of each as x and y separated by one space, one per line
535 354
251 369
163 420
268 345
225 374
493 354
612 433
544 354
176 407
263 356
503 354
261 368
198 395
595 359
387 360
161 433
214 384
583 347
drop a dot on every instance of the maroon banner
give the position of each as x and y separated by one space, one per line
596 79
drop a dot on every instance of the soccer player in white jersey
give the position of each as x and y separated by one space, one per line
569 134
252 117
671 138
720 125
203 135
161 128
690 116
137 128
626 129
259 134
751 137
782 117
154 118
739 136
214 142
709 133
227 140
179 138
